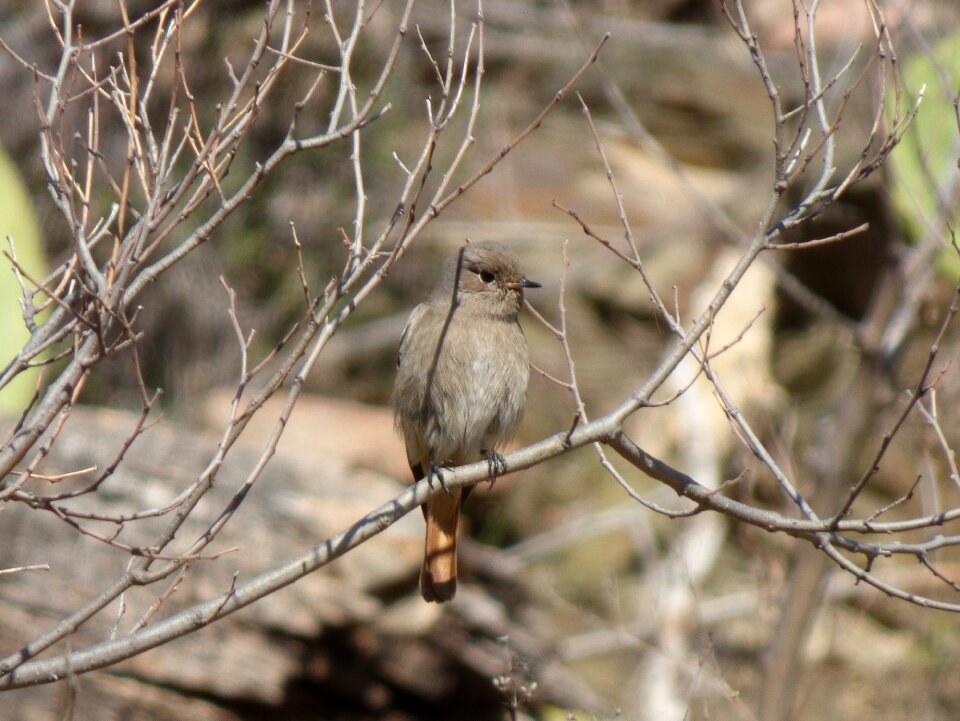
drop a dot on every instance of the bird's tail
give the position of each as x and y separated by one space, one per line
438 577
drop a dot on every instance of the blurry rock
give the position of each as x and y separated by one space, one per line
350 639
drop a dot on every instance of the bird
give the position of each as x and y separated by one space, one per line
461 387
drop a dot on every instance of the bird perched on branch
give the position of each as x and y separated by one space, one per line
461 387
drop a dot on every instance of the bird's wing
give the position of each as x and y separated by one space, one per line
411 322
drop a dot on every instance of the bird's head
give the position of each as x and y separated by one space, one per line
488 275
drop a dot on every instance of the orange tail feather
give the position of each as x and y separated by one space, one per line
438 578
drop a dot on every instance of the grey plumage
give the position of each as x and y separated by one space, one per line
461 385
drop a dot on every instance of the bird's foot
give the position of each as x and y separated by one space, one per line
496 465
435 472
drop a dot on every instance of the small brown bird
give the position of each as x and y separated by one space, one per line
461 387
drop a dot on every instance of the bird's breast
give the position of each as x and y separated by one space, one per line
479 390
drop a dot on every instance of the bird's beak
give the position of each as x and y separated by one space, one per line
522 283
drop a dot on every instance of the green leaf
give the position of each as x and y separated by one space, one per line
924 164
18 220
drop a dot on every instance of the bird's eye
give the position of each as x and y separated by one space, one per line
486 276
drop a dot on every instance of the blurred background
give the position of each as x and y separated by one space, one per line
576 599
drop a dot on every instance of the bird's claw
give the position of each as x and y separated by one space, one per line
435 472
496 465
